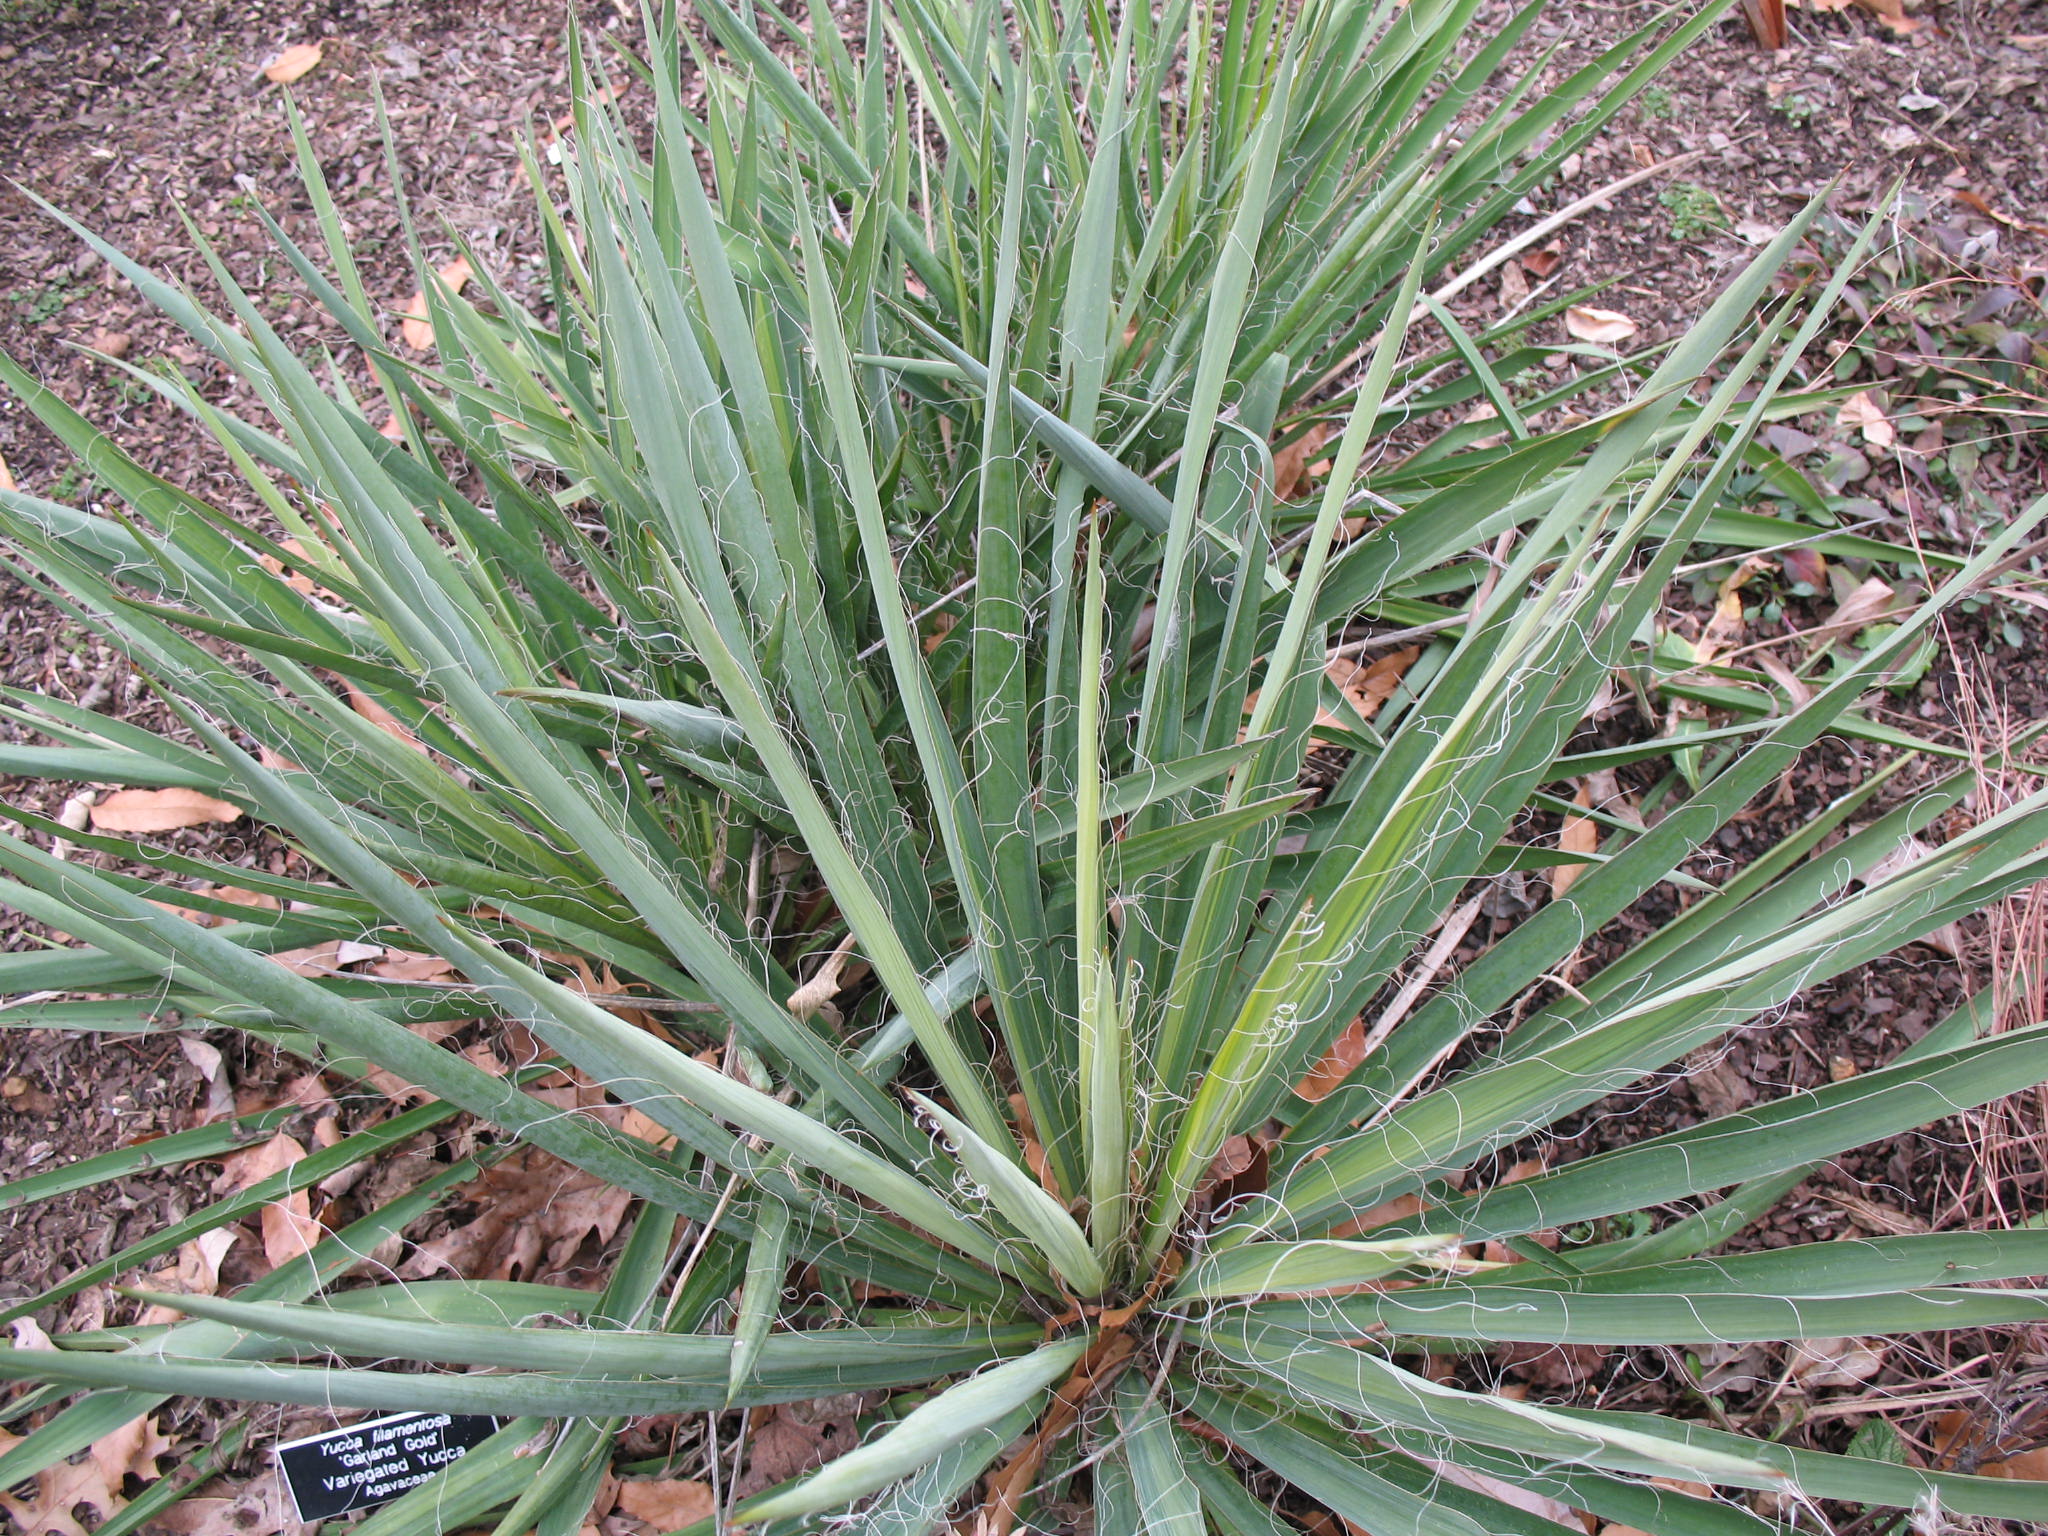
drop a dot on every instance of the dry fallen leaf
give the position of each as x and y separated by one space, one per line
1541 1505
1541 263
1903 856
295 578
533 1213
259 1507
288 1225
1367 685
1862 412
1974 201
1724 628
381 717
1291 464
1581 834
403 965
1400 1208
1961 1441
1834 1362
792 1438
311 960
1034 1150
298 60
418 330
1795 686
1807 566
816 995
666 1506
159 810
1602 327
220 1093
1871 602
195 1271
93 1483
1345 1053
1892 13
1239 1169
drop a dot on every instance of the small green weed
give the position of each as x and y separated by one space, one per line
1694 210
1656 102
74 484
46 302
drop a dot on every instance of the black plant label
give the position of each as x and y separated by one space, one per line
343 1469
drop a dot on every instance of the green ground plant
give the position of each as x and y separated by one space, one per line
899 514
1693 210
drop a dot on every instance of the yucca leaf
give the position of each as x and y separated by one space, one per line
926 1432
1027 1206
1260 1269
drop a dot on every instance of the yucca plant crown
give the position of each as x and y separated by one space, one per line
867 550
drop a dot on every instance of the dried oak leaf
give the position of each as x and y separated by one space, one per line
1581 835
1291 465
194 1271
534 1213
1960 1441
418 329
382 718
311 959
1240 1169
294 62
666 1506
1872 602
1602 327
294 577
259 1507
1344 1054
93 1483
1553 1367
160 810
1400 1208
1862 412
792 1438
1514 1496
1892 14
1834 1362
1369 685
1365 685
289 1229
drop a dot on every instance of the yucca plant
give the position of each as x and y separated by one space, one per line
884 476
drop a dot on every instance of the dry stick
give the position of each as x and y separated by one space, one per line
1353 648
1452 934
456 984
1514 247
1778 549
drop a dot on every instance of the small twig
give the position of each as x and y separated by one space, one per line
1352 648
1778 549
1501 253
922 614
456 984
